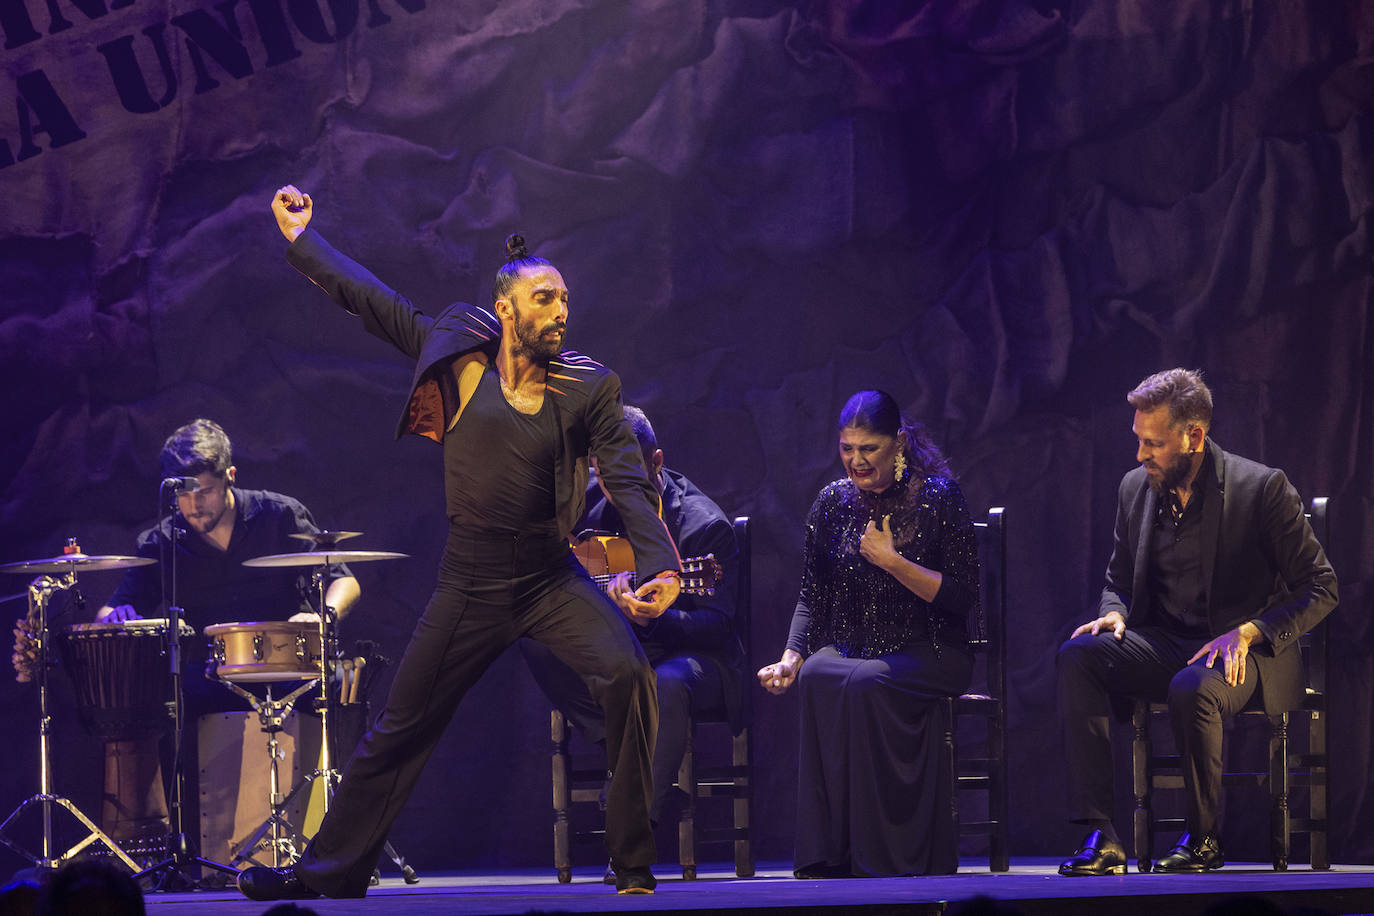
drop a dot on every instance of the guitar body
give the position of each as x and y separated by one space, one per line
604 555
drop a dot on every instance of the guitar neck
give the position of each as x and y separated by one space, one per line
605 556
698 577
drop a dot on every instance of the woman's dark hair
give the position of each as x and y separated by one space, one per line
518 258
877 412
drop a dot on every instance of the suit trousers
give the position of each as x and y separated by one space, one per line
492 590
1148 663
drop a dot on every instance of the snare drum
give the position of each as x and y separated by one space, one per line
265 651
121 674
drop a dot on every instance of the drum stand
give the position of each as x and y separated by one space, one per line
41 591
272 713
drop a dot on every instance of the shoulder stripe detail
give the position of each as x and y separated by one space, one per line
488 326
571 359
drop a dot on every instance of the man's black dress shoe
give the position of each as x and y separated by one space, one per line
263 883
635 880
1192 855
1097 856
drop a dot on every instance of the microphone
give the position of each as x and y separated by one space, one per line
188 484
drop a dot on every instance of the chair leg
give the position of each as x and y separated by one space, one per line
1279 835
686 825
742 801
562 858
949 751
1320 856
1143 817
998 854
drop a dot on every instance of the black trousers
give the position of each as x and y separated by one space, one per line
688 685
1148 663
492 591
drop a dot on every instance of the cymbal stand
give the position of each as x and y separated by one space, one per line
329 643
41 591
272 713
329 650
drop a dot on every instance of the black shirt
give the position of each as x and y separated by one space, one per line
1177 592
213 585
498 463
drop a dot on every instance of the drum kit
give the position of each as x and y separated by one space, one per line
123 697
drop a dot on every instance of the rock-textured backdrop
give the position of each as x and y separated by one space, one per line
1005 212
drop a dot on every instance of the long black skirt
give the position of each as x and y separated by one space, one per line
872 790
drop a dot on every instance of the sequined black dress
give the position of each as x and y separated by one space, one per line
872 797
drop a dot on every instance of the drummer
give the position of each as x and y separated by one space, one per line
216 528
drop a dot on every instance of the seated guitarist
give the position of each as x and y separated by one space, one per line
693 646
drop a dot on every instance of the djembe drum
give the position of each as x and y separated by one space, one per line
123 688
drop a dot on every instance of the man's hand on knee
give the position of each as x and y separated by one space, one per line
1112 620
1231 647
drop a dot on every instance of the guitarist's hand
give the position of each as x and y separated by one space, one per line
648 601
621 590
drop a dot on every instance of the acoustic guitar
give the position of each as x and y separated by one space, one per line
605 556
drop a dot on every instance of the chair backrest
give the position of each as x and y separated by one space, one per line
988 626
744 592
1315 640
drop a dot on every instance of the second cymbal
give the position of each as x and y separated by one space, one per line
323 557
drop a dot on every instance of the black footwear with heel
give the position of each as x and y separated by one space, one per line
1097 856
1192 855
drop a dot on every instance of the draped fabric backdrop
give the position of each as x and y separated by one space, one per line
1005 213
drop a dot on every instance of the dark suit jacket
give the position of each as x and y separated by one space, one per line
585 394
1259 553
701 625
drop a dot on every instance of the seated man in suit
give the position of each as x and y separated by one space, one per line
693 647
1214 575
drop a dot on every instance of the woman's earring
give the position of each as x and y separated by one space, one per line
899 465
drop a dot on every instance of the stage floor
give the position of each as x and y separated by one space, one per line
1031 886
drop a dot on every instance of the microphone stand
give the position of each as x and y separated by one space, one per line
180 850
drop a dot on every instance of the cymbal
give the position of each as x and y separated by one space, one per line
75 562
323 557
326 538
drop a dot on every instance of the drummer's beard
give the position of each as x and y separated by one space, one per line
203 522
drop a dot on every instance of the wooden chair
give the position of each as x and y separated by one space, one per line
989 772
1152 772
731 780
584 784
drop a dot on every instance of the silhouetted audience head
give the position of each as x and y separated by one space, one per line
19 898
289 909
91 887
983 905
1256 906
